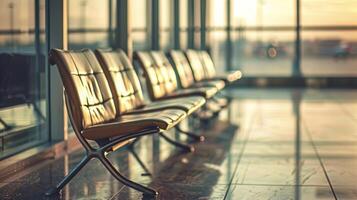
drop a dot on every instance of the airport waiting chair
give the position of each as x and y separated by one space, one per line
198 70
186 75
162 83
96 117
126 87
157 69
210 69
189 79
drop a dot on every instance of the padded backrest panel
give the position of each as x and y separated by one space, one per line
183 68
166 70
160 81
208 65
122 78
86 86
196 65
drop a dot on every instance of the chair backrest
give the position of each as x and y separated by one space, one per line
208 64
183 68
160 76
86 87
122 78
196 65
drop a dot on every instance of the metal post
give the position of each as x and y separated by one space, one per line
57 37
122 28
37 81
203 25
176 24
110 23
12 18
155 26
229 49
297 60
191 24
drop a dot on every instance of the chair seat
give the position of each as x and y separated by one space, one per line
133 123
219 84
188 104
206 92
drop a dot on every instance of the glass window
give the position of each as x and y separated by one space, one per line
88 30
263 12
268 53
217 36
261 47
139 24
166 24
197 24
22 75
329 41
328 12
217 16
183 23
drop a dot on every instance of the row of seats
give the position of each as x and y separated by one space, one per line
106 103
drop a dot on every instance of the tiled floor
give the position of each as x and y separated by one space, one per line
279 144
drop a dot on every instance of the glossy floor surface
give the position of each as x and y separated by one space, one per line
270 144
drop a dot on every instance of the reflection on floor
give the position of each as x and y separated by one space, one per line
279 144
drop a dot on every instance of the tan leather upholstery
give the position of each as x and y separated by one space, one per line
189 104
86 87
206 92
132 123
185 73
94 112
183 68
122 79
196 65
161 78
126 88
210 70
199 71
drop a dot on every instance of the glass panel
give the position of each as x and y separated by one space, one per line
329 46
183 13
138 6
260 47
263 53
263 12
88 30
140 41
166 24
328 12
217 47
217 16
22 76
329 53
166 40
183 39
139 34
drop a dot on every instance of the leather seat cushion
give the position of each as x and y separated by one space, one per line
219 84
188 104
206 92
133 123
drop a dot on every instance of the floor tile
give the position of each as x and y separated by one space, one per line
248 192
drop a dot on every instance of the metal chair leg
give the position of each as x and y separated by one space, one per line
200 138
122 179
137 158
185 147
69 177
